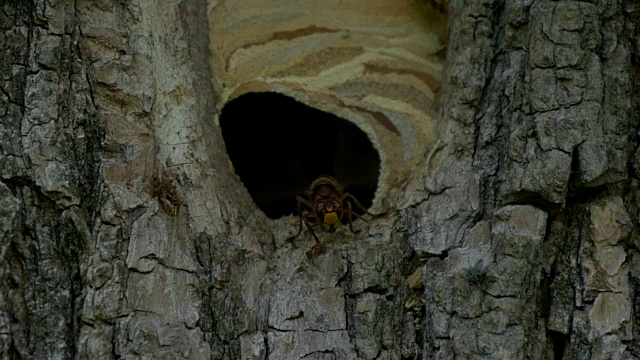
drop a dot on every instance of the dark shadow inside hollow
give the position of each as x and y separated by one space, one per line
278 146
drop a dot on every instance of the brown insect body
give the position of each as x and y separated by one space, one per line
328 205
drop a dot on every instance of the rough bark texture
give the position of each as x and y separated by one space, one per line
125 234
49 161
531 206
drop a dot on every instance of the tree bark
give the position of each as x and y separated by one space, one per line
125 234
49 189
530 203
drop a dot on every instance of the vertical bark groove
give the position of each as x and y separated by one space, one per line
49 153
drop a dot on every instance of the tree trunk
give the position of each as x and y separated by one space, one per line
125 233
539 246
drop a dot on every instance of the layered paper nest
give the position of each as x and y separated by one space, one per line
376 63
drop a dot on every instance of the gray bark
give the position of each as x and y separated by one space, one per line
540 245
49 172
125 234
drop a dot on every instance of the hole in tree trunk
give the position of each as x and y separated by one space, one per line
278 146
559 341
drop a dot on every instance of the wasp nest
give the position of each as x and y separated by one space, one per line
377 64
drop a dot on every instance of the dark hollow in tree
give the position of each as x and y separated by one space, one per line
278 146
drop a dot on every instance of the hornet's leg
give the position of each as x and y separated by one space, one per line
349 198
306 215
311 231
349 212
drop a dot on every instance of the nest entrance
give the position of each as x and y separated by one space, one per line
278 146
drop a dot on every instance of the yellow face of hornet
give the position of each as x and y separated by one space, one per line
330 214
327 204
